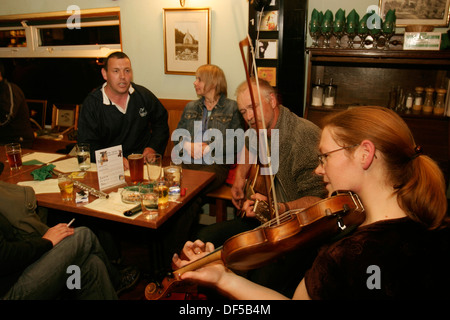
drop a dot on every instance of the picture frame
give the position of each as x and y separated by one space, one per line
268 21
65 116
434 13
187 39
267 49
269 74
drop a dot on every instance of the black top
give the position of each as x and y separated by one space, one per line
143 125
392 259
15 125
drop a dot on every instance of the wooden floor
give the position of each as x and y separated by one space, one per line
136 254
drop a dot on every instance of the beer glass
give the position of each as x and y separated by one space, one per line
136 165
14 155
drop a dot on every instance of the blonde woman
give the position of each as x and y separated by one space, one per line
213 110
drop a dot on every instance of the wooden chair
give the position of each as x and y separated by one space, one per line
221 197
65 117
38 110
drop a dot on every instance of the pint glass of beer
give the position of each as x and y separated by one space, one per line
14 155
136 164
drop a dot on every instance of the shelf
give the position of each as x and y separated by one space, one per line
411 114
366 77
375 56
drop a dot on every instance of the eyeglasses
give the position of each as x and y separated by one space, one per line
322 157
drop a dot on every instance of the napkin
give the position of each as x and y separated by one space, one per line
339 21
374 23
327 21
315 21
389 21
362 25
352 21
43 173
113 205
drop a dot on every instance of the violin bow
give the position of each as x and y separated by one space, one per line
270 186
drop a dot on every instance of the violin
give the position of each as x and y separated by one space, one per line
293 229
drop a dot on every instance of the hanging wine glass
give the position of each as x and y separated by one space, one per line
327 28
363 32
374 26
338 31
314 31
327 31
350 31
375 32
388 31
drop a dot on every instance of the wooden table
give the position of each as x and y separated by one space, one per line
193 181
157 231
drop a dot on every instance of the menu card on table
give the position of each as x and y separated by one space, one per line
110 167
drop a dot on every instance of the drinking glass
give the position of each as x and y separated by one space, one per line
136 164
14 155
154 167
149 200
338 32
388 31
65 185
375 33
327 31
314 31
83 156
163 194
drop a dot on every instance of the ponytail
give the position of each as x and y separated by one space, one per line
422 195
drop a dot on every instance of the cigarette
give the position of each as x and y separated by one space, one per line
68 225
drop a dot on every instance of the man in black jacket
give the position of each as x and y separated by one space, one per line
15 125
121 112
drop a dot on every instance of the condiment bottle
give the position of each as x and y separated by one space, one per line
439 106
428 105
317 95
409 102
418 99
329 95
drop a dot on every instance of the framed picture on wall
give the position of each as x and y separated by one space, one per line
267 21
267 49
269 74
187 39
430 12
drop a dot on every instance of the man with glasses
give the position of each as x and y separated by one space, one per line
296 185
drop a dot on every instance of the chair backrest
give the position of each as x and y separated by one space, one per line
65 116
38 110
174 109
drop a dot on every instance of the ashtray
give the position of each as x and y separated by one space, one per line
131 195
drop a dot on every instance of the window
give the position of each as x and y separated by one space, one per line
50 35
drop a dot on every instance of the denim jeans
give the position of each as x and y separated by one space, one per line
46 278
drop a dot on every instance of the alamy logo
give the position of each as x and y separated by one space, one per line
221 149
74 21
374 280
74 280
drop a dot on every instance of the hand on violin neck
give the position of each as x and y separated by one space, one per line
192 251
